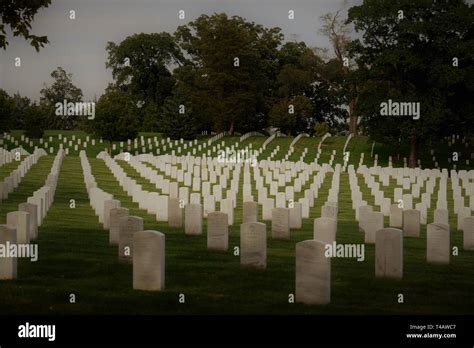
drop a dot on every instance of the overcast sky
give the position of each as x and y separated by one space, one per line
79 45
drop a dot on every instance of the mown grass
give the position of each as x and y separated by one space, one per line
75 258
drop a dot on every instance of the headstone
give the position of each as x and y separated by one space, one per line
389 253
296 216
253 245
249 212
313 273
373 223
468 233
363 213
193 219
330 211
437 244
281 223
148 260
324 229
175 213
463 213
20 221
108 206
129 225
217 231
411 223
114 224
396 216
8 265
441 216
31 209
227 206
162 211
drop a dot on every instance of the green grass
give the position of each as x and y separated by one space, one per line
74 257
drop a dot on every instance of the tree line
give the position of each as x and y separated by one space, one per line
225 73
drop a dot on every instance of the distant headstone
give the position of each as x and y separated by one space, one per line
129 225
175 213
193 219
31 209
114 224
441 216
249 212
468 233
324 229
108 206
217 231
396 216
20 220
373 223
281 223
437 243
411 223
296 216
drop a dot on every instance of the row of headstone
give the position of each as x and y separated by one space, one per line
101 202
152 202
11 182
9 156
22 225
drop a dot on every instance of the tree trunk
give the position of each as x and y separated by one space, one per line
231 130
352 117
412 159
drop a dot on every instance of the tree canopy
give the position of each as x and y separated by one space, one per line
17 15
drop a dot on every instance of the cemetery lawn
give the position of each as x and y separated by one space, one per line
75 258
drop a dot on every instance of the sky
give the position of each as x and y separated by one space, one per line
79 45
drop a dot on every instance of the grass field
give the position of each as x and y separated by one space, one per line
75 258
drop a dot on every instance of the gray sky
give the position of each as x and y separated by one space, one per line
79 45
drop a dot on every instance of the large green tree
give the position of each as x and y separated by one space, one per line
177 118
21 106
116 116
6 111
141 65
417 52
303 73
231 68
61 89
17 15
292 116
339 73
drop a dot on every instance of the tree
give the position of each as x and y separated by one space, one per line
292 116
18 15
115 117
406 54
6 110
230 71
340 73
304 73
21 106
141 66
61 89
36 116
177 118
